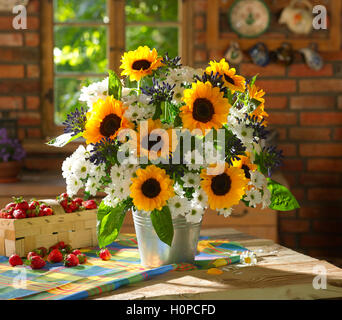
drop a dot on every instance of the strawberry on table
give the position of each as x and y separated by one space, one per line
76 252
48 212
19 214
89 204
15 260
105 254
32 254
41 251
71 261
82 258
21 204
55 256
37 262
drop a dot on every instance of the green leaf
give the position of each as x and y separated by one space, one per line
158 112
252 82
114 85
281 197
260 161
255 103
63 139
162 223
109 222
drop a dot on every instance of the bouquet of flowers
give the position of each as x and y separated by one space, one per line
10 149
169 140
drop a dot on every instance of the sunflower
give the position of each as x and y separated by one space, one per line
151 188
224 189
140 63
105 120
245 164
258 94
205 108
146 140
231 80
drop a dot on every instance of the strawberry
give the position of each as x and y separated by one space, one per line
32 254
33 204
48 212
55 256
89 204
21 204
37 262
61 245
10 207
73 206
68 248
19 214
15 260
41 251
53 247
82 258
76 252
79 201
43 206
64 195
71 261
105 254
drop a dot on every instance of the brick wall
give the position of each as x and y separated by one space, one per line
305 108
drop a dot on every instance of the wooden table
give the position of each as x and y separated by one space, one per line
280 273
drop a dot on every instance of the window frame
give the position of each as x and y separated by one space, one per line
115 47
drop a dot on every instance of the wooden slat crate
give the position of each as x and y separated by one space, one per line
24 235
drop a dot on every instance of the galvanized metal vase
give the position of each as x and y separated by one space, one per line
154 252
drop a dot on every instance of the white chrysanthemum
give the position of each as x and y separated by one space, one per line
248 258
191 180
121 190
257 179
116 173
93 92
178 189
245 134
193 160
97 171
195 215
178 94
80 168
91 186
226 212
211 155
266 198
79 153
253 196
178 206
200 198
67 167
74 184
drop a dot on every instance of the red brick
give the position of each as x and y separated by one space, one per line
339 102
32 103
325 165
272 70
291 178
299 193
33 6
11 103
22 54
288 240
312 102
11 39
321 85
33 71
201 6
282 133
29 119
327 226
33 23
11 71
320 241
320 119
282 118
320 179
277 86
325 194
19 87
272 102
32 39
292 165
321 149
34 133
289 149
308 134
297 226
302 70
21 134
338 134
41 164
6 23
319 212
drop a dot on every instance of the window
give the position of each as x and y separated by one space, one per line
82 39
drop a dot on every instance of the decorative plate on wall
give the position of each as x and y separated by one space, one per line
249 18
7 5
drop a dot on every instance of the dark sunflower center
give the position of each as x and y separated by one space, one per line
221 184
229 79
151 188
203 110
246 169
151 140
110 124
141 64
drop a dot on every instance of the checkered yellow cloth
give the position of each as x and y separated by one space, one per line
56 282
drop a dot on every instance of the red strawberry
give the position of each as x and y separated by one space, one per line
55 256
53 247
61 245
71 261
64 203
41 251
21 204
82 258
64 195
19 214
32 254
33 204
76 252
41 213
10 207
68 248
89 204
37 262
43 206
15 260
105 254
73 206
48 212
79 201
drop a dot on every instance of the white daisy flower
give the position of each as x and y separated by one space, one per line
226 212
67 167
193 160
266 198
116 173
179 206
93 92
191 180
178 94
91 186
253 196
245 134
81 168
195 215
178 189
257 179
248 258
74 184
